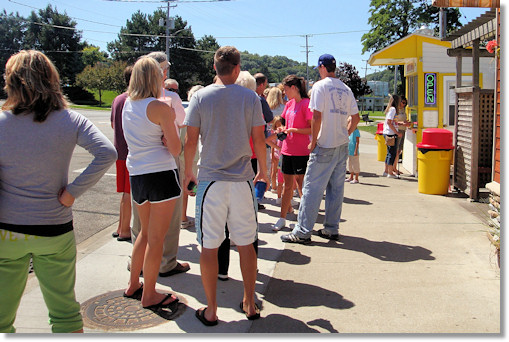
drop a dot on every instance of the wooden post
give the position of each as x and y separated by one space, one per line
475 62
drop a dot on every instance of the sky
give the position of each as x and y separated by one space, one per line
264 27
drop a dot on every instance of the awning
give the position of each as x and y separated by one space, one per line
467 3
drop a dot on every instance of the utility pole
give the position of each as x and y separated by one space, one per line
442 23
365 78
395 78
307 60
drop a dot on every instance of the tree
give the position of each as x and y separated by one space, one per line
392 20
103 76
349 75
12 27
91 55
140 36
61 45
207 43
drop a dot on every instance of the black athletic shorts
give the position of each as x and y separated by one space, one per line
294 165
155 187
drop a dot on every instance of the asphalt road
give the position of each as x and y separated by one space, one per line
97 208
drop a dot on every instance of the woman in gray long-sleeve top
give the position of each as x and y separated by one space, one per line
37 137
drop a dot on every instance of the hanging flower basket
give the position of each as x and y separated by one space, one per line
493 47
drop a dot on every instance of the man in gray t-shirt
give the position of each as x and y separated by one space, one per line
225 116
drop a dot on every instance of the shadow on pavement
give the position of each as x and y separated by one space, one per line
276 323
356 201
290 294
382 250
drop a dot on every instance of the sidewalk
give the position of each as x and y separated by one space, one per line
406 263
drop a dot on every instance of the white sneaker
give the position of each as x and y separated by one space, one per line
384 174
392 176
280 224
354 181
278 200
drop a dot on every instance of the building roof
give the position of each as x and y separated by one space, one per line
403 50
483 27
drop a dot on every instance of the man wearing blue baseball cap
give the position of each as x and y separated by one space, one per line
332 102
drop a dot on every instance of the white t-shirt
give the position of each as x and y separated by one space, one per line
336 102
390 115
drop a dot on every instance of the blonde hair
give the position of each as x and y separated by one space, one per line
246 80
193 90
278 119
275 97
32 85
146 79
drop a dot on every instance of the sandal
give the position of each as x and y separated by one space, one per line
252 317
136 294
201 317
171 305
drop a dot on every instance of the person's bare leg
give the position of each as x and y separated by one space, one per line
184 207
124 229
138 253
248 265
158 224
287 194
209 270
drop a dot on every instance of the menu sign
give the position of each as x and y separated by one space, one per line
430 88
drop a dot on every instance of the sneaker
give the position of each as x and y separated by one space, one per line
279 200
392 176
261 206
354 181
223 277
293 202
280 224
292 238
384 174
322 233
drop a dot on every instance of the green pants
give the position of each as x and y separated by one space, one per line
54 262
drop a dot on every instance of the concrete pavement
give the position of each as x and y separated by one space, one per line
406 263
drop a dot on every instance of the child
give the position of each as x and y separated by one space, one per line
275 143
353 156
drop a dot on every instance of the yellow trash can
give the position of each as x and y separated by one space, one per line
382 148
434 158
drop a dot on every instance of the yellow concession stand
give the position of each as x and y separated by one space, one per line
430 84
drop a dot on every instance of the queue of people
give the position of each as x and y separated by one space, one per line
304 139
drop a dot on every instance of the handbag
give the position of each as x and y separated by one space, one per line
390 140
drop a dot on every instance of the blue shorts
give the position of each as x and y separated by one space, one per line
156 187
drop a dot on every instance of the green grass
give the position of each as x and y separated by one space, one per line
107 97
367 128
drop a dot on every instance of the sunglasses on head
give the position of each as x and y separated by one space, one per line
171 89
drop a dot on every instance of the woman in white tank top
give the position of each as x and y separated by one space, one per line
153 141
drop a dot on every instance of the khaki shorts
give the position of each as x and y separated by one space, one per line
353 164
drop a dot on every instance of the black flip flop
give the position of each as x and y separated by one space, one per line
252 317
136 294
201 316
124 239
171 305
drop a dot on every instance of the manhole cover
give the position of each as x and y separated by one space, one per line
112 311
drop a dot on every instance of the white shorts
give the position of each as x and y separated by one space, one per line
353 164
221 204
